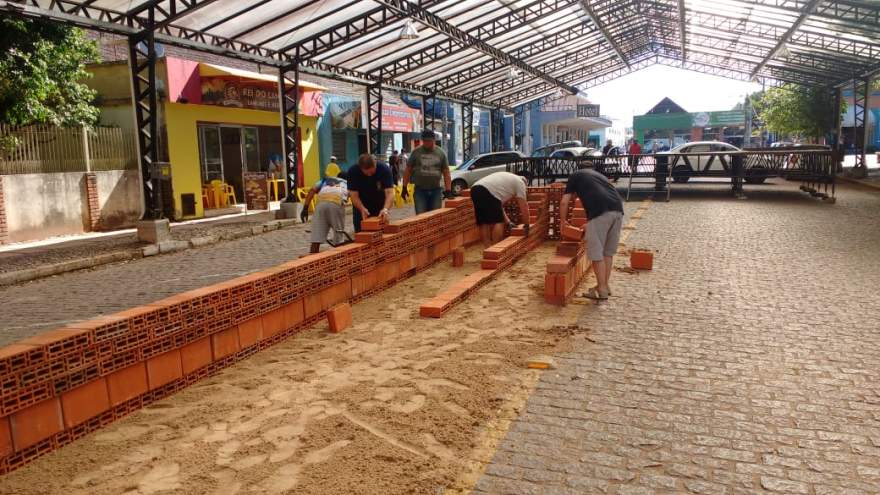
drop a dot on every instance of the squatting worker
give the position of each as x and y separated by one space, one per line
604 208
332 193
372 189
426 166
489 195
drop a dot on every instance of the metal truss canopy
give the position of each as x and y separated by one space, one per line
500 53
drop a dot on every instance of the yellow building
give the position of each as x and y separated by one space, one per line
216 124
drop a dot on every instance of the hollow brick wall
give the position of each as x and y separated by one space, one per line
63 384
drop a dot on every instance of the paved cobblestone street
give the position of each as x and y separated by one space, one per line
44 304
746 362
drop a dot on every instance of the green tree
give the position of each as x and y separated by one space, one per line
42 66
797 110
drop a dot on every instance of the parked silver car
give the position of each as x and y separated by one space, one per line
576 151
465 175
683 166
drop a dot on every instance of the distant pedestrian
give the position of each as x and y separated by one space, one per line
634 151
609 149
332 196
426 166
372 189
394 163
604 209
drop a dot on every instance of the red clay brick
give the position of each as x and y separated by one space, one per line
36 423
465 193
294 313
550 284
431 309
569 249
225 343
250 332
196 355
372 224
572 233
458 257
336 294
6 447
339 317
273 322
85 402
489 264
559 264
578 222
367 237
164 369
312 304
127 383
641 260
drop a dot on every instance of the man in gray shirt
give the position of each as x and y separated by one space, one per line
426 166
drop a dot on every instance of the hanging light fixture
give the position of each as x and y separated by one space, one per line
512 73
409 31
783 51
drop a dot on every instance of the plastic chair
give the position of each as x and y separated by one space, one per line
398 198
217 190
229 192
207 200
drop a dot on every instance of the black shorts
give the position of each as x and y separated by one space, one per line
487 208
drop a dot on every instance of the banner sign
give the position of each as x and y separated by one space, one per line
587 111
238 94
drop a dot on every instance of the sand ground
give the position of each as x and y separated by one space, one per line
395 404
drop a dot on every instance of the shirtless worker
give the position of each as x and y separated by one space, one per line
489 195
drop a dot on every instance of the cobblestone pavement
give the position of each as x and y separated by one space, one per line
746 362
74 249
34 307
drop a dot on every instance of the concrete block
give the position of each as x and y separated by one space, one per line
154 231
151 250
291 210
256 230
204 241
172 246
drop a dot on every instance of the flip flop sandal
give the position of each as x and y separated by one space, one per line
595 295
597 290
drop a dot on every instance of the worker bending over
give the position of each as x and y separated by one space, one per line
604 209
489 195
332 195
372 189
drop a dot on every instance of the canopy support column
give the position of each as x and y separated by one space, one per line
495 119
467 127
518 127
374 117
290 133
142 62
861 93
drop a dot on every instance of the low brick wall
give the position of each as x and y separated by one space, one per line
63 384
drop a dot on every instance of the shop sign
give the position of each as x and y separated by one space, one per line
396 118
256 190
588 111
344 114
238 94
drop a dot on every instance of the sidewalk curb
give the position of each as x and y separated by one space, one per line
858 182
29 274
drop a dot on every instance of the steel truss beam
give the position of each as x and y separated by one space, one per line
604 30
374 117
682 29
510 20
463 40
467 128
142 62
807 10
109 21
288 92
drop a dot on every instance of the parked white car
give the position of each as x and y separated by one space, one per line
465 175
574 152
682 166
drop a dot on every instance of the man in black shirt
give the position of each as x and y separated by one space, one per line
604 208
371 186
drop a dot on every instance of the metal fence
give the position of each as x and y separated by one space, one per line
51 149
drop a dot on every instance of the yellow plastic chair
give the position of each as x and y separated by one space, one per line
229 192
207 197
412 191
216 188
398 198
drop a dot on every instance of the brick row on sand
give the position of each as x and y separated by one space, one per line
496 257
63 384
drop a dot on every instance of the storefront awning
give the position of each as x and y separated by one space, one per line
221 71
582 123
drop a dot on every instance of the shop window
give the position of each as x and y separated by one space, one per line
340 139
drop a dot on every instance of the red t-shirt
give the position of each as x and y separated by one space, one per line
635 149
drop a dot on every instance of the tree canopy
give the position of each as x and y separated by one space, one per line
797 110
42 66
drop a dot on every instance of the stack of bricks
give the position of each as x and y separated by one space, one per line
565 271
91 181
4 229
495 258
63 384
